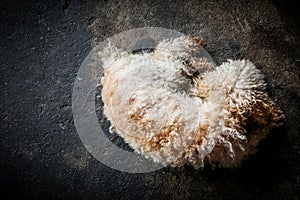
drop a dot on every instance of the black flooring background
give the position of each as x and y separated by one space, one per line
43 44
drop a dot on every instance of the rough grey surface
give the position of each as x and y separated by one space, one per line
42 46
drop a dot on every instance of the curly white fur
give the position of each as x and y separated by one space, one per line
178 109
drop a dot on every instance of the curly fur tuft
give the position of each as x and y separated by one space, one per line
178 109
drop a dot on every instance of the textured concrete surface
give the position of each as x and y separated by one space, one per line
42 46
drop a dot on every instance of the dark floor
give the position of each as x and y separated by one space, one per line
43 44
